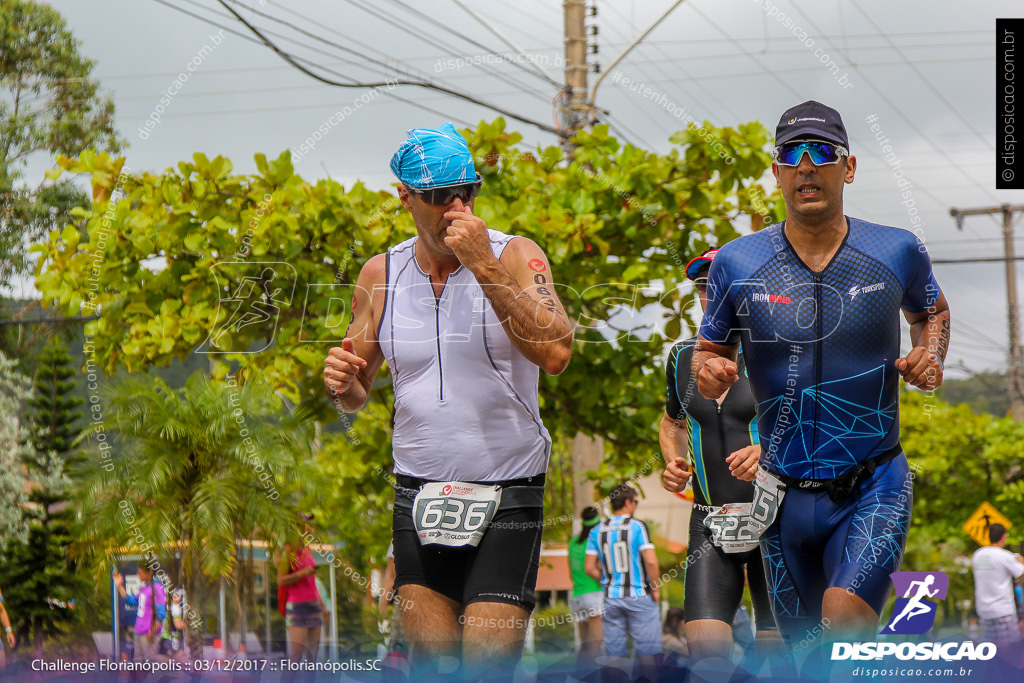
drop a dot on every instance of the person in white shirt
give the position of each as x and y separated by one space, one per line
995 570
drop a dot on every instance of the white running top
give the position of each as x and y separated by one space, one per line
465 398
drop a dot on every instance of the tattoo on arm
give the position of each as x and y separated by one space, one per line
547 301
943 344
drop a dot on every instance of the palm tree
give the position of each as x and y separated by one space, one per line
193 471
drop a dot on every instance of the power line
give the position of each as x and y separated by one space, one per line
664 132
1016 383
623 131
256 42
938 93
982 336
386 67
634 44
331 30
477 43
654 45
423 84
866 36
393 21
309 34
746 74
898 110
775 74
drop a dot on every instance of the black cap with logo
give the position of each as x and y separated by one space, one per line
811 120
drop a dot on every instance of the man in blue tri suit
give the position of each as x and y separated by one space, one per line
621 556
814 301
720 438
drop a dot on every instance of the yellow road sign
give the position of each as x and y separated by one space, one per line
985 516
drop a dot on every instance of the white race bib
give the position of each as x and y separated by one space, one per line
768 495
737 527
730 528
454 513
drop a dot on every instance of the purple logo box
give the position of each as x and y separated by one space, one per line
916 593
901 582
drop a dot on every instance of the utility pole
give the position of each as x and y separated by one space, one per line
1013 317
574 113
587 451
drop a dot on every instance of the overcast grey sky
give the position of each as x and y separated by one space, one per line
925 70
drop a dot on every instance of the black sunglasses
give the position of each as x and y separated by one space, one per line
441 196
701 283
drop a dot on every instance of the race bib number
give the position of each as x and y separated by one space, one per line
737 527
454 513
730 528
768 495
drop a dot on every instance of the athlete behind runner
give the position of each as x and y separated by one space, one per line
621 556
721 439
464 316
814 301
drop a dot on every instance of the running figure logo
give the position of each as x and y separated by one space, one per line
914 612
252 296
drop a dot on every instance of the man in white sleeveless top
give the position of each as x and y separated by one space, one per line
465 317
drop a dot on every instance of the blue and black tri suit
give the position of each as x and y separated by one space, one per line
715 579
821 350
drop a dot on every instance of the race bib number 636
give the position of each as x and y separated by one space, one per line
454 513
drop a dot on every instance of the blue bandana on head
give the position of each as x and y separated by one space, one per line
434 158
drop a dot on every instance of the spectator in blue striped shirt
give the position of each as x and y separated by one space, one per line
620 555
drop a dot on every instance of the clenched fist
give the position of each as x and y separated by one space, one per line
716 375
675 476
341 367
920 368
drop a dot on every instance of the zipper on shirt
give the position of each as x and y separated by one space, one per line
819 329
437 337
721 439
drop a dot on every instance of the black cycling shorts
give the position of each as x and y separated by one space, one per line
502 568
715 579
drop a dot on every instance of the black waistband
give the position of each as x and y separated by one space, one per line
415 482
840 488
525 492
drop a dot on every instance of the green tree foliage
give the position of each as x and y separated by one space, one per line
201 467
55 413
48 103
39 574
260 270
961 460
41 569
14 449
984 392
